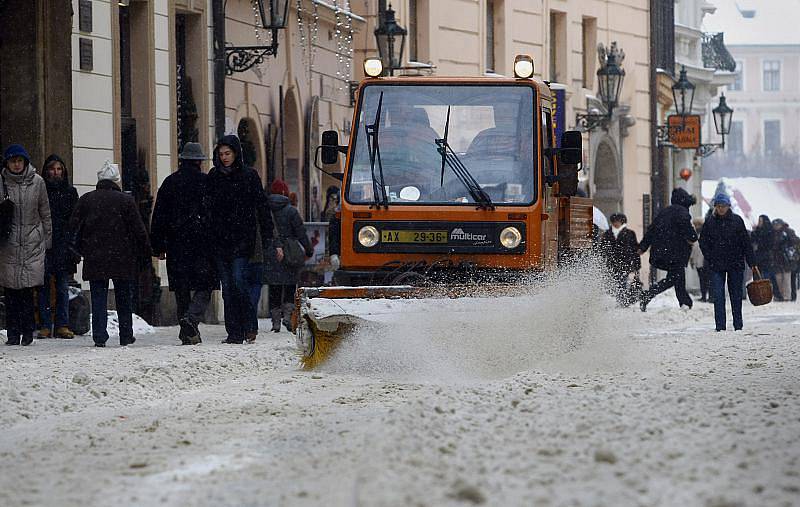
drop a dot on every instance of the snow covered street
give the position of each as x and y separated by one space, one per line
651 409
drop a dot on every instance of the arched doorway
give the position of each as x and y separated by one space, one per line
292 141
607 181
248 138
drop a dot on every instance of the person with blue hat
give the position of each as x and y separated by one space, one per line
22 253
726 246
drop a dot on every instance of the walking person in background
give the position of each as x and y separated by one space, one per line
109 234
235 202
59 264
254 278
620 247
22 255
178 234
787 257
764 246
282 273
670 238
726 245
698 262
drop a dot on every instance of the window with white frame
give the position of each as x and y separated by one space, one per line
736 138
738 83
772 137
771 75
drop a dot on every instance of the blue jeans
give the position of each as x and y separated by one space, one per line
254 274
123 295
62 301
235 296
735 279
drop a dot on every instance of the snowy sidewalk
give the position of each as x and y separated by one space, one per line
648 409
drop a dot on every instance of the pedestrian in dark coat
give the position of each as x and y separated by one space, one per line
59 264
178 233
786 255
669 239
282 278
726 246
22 254
763 239
620 248
110 235
235 202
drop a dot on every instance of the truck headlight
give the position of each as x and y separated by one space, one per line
510 237
368 236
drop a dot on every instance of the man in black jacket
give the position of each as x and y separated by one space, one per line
726 246
235 202
670 239
178 234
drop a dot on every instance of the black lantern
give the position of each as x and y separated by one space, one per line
722 117
273 14
389 47
610 76
683 94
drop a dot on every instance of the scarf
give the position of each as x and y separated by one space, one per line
616 231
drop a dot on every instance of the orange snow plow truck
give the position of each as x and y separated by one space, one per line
452 187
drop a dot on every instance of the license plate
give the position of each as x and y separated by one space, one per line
413 236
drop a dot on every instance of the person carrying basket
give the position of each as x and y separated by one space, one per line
726 246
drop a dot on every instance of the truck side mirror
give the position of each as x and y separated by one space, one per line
571 152
330 147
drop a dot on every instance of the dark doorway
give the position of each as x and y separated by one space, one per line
187 109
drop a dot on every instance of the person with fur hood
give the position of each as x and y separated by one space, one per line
669 239
22 253
620 248
59 263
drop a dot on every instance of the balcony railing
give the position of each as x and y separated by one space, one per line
715 54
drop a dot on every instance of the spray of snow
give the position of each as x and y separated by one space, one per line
566 321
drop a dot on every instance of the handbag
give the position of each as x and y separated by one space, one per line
294 255
6 213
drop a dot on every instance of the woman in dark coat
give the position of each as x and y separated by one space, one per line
764 246
621 250
282 278
59 263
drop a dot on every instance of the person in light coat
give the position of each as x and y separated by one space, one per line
22 254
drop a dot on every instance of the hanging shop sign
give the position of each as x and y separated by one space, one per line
684 131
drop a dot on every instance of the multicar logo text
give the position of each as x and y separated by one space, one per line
459 234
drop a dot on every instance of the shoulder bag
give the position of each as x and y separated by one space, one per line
294 255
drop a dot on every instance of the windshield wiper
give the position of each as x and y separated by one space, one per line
379 197
450 158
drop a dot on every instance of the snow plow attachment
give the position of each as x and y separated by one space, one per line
324 316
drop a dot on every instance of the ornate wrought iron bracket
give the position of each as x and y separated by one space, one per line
590 121
244 58
706 150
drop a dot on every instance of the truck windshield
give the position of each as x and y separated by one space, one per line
490 130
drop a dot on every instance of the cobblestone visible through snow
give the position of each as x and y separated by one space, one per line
660 411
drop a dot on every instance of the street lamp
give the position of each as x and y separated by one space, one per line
610 77
386 35
683 94
723 114
273 15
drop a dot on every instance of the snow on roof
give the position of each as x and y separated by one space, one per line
751 197
755 22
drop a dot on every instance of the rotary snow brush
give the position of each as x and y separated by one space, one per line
325 316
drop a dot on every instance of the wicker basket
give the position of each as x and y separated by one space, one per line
759 290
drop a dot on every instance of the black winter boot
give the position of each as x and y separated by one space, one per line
27 339
287 309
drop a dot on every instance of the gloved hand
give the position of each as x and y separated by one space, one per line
335 262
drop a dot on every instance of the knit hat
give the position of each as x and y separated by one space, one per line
722 198
109 172
279 187
16 150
